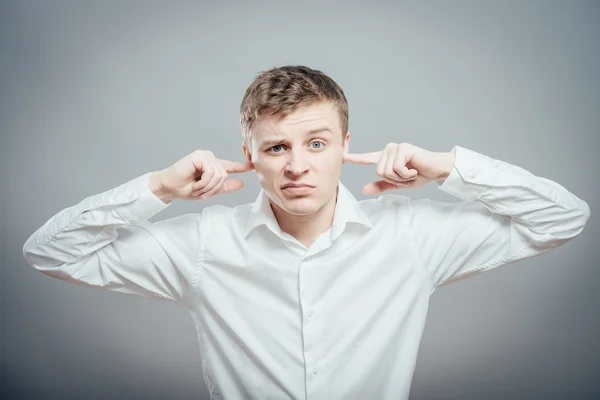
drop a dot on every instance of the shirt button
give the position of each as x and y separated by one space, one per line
472 174
310 313
315 371
131 195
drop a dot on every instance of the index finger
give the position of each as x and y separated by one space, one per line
364 158
236 166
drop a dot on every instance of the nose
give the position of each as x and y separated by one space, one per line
297 163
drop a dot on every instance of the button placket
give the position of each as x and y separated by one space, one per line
308 333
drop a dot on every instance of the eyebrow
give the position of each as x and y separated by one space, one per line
311 132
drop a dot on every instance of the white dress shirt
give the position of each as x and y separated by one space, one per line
341 319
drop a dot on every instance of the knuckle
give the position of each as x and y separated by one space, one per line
216 188
203 153
207 174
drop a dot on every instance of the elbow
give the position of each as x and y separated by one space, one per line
560 228
28 251
585 214
577 220
38 258
31 255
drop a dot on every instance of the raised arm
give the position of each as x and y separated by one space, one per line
106 240
508 214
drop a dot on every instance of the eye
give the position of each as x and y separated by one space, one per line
317 142
272 149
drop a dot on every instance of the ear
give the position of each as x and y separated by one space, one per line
346 143
247 153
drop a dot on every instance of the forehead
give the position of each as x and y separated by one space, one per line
301 120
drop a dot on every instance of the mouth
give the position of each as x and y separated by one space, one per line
297 188
296 185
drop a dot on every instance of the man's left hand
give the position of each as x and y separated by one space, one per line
403 165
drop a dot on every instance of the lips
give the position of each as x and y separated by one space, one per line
297 190
296 185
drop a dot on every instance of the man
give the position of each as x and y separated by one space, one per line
307 293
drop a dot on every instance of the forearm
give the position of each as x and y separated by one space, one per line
541 209
76 231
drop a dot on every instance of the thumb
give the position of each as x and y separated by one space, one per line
380 187
231 185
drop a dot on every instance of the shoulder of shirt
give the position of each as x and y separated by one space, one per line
383 202
228 214
380 209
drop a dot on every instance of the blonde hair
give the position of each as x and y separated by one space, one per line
281 90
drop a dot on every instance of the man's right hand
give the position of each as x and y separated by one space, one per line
199 175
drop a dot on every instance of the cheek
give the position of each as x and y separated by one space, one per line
267 171
330 163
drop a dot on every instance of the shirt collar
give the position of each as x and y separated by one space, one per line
347 210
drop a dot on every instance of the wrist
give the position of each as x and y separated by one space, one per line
446 166
156 187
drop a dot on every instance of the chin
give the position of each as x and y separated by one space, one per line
299 206
303 206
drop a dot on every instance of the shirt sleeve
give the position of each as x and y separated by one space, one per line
105 241
507 214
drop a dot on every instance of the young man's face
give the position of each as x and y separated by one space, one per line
304 148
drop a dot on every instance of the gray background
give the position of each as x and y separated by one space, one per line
94 94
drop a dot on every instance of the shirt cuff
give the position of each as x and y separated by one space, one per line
472 174
134 201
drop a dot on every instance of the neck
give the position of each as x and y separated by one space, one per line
306 228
